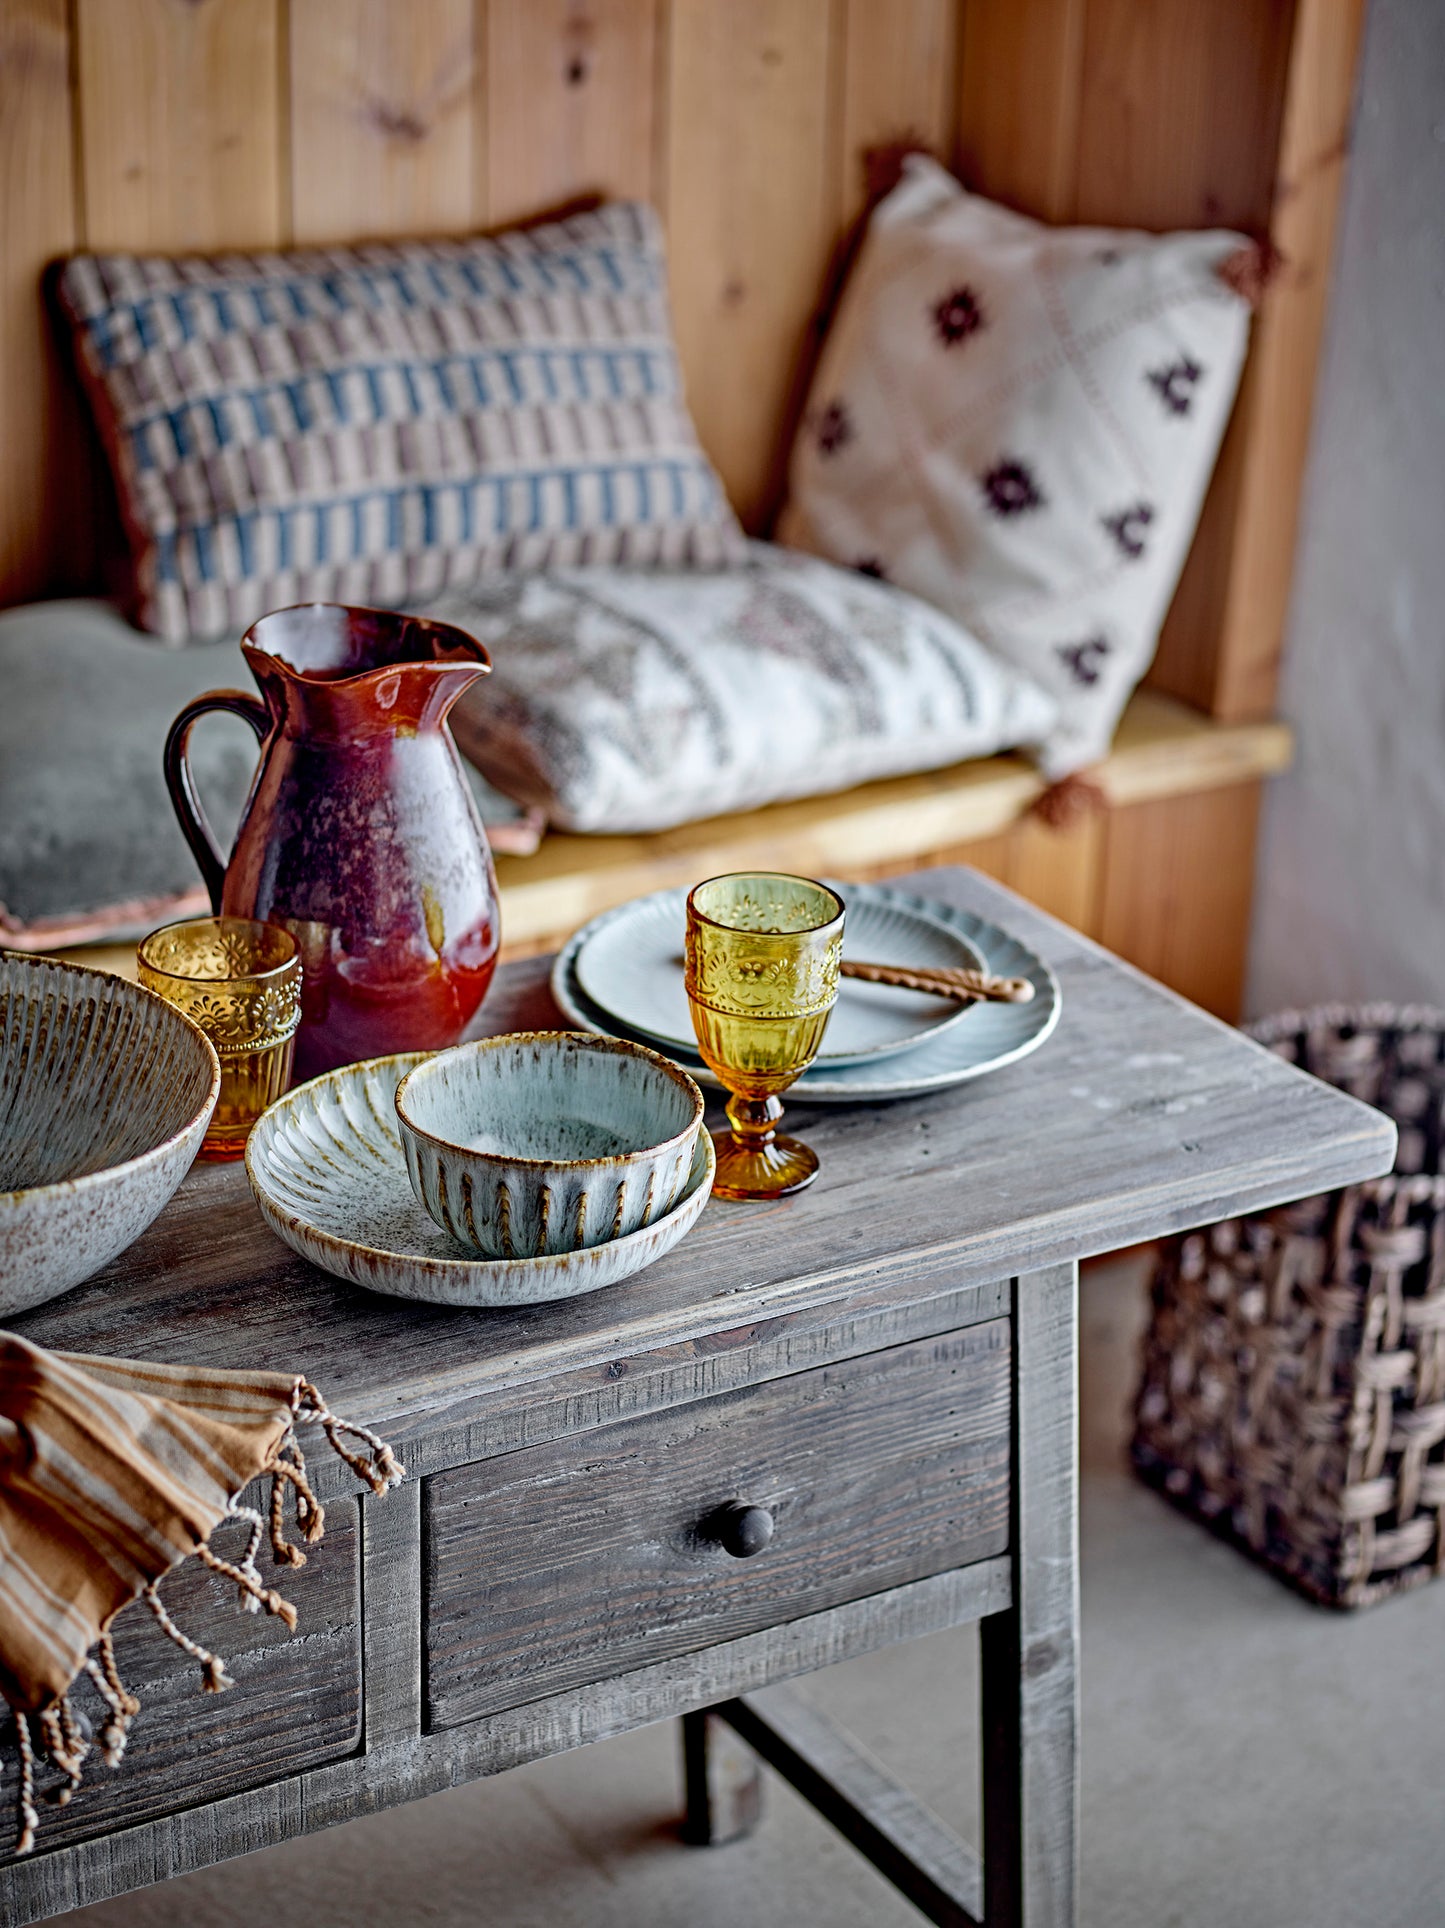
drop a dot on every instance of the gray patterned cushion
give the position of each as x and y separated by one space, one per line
371 424
629 701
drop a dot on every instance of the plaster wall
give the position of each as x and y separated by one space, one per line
1350 896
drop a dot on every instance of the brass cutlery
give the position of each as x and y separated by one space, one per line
955 982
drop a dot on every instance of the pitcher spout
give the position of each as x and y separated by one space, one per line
452 682
330 671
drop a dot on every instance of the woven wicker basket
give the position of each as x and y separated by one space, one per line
1293 1391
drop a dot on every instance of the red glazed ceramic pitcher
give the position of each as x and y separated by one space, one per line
359 835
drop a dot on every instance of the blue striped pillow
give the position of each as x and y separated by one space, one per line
375 424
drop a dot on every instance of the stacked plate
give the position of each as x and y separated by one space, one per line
327 1169
621 976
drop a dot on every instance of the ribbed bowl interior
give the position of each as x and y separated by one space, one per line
92 1072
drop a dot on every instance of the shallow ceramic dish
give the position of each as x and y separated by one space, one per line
328 1172
629 964
995 1034
105 1095
547 1141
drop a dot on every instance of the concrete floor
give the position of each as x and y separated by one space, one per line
1249 1761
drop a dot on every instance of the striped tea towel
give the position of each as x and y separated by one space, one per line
112 1472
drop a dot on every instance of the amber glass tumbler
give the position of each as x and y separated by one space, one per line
763 951
240 981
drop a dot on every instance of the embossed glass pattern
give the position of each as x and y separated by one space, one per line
240 981
762 959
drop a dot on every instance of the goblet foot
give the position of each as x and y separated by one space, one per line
770 1168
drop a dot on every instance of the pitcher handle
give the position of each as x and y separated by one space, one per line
185 798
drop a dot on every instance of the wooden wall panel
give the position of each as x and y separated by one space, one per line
210 123
570 102
383 118
179 122
1059 870
1176 893
752 209
1020 102
1271 438
988 854
1182 111
1177 114
899 70
37 194
1185 104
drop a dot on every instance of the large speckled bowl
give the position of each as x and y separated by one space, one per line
105 1095
547 1141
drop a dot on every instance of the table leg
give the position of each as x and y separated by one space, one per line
1030 1683
1029 1877
722 1780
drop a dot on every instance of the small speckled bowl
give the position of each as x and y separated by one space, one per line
547 1141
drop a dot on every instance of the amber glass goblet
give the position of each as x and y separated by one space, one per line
240 981
763 951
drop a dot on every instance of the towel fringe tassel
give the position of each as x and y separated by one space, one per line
213 1669
62 1734
288 1468
380 1468
29 1819
64 1744
253 1595
252 1585
121 1707
65 1747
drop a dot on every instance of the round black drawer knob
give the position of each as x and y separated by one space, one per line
740 1529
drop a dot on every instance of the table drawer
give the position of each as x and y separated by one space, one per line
589 1557
296 1701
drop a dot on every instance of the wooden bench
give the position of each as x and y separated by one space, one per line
1102 873
136 124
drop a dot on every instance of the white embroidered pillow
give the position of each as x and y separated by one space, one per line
632 700
1018 423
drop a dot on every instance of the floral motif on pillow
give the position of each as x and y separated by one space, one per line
630 700
1018 423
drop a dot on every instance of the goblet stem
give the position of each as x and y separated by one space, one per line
753 1159
753 1119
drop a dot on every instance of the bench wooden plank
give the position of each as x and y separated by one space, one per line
1163 749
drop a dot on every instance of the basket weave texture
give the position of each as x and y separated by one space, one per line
1293 1388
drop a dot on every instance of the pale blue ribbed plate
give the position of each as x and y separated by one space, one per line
993 1036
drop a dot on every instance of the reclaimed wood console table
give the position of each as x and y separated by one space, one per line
881 1371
